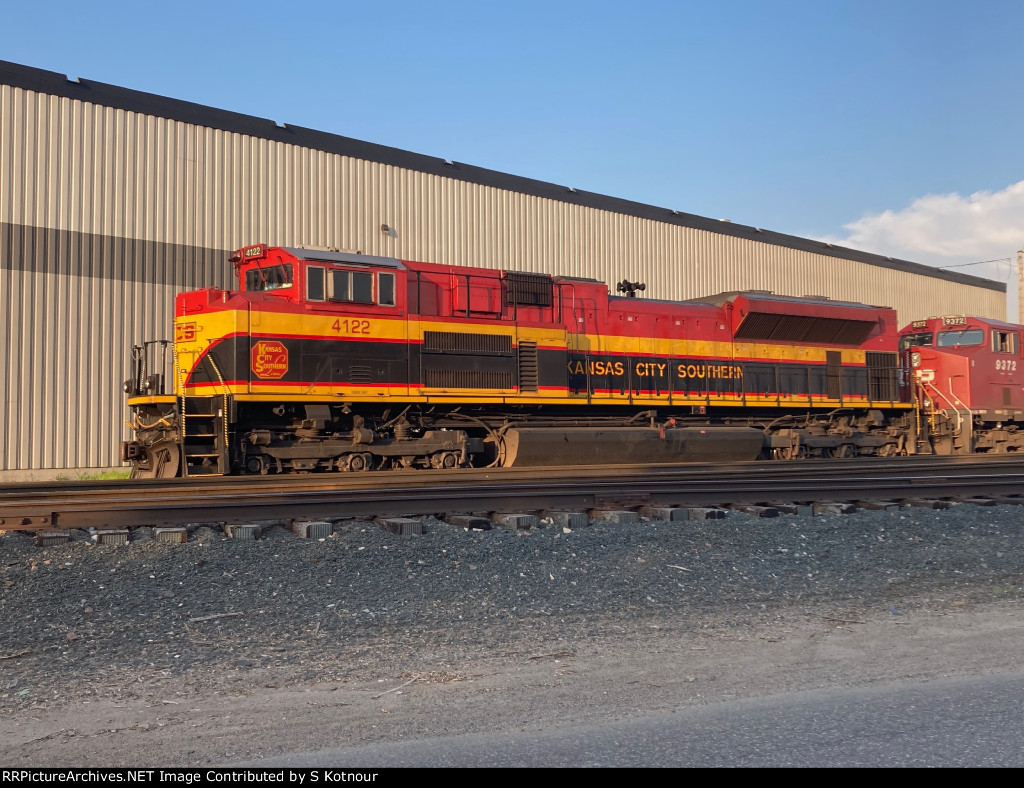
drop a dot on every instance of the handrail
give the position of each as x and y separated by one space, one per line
928 385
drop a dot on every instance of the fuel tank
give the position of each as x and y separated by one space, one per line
539 446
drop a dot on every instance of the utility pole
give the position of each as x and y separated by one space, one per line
1020 286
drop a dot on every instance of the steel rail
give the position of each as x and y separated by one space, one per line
128 505
338 481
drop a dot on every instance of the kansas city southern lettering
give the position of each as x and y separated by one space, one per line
650 369
719 371
597 368
657 369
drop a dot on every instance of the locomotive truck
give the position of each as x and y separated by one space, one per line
344 362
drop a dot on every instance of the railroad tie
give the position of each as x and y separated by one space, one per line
246 532
834 507
926 503
403 526
886 506
171 535
519 522
571 520
111 536
48 538
313 529
755 511
620 516
470 522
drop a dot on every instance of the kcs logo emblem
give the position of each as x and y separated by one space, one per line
269 359
185 332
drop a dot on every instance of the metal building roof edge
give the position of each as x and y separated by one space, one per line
56 84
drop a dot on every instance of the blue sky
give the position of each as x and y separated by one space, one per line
896 127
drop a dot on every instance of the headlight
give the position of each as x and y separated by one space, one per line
915 359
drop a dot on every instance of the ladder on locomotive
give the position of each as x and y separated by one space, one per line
204 440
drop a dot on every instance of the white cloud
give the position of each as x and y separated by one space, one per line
947 229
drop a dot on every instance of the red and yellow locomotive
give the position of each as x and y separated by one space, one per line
326 360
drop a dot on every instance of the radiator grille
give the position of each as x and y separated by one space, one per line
801 328
883 376
528 289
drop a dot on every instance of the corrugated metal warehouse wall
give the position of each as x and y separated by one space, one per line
112 200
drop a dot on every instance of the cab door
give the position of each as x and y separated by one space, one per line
620 356
582 351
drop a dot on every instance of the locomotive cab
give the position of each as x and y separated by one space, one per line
317 278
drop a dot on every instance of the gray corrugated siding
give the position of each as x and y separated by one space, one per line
105 213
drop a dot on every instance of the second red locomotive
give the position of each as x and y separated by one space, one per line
967 376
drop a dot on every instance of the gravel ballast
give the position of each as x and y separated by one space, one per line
84 625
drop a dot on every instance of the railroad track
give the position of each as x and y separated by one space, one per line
127 504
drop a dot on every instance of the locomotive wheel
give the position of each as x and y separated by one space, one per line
790 453
890 450
356 462
257 464
162 460
445 460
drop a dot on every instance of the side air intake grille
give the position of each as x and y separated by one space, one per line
358 373
475 344
528 370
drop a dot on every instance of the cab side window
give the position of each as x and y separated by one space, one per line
1004 341
357 287
315 281
352 286
362 287
272 277
341 285
385 289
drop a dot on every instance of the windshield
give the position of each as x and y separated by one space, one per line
916 340
271 277
965 338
